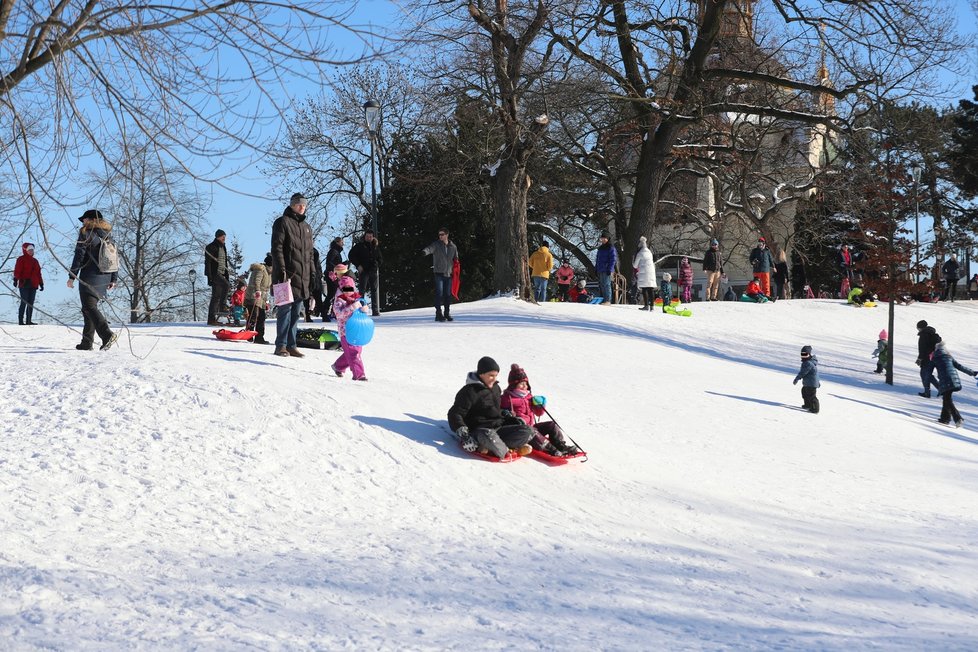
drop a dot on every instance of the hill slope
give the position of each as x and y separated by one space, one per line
180 492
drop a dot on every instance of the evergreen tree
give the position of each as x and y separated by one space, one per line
964 145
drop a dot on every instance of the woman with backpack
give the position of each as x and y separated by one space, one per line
95 265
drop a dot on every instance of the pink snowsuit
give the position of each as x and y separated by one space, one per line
344 306
685 281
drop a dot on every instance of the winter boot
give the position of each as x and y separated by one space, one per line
438 315
448 316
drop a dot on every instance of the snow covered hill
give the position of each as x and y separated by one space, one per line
182 493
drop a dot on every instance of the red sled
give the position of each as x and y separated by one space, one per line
225 335
553 460
511 456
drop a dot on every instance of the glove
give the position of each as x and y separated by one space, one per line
794 382
467 441
41 288
540 401
506 413
975 375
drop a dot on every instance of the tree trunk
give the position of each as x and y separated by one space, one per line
509 192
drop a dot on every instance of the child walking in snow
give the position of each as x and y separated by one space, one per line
665 290
808 375
882 352
520 401
348 301
948 382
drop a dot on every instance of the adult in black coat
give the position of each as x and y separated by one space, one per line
314 304
292 261
93 282
333 258
951 272
367 257
218 276
927 339
477 418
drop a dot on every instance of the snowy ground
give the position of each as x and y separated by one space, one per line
182 493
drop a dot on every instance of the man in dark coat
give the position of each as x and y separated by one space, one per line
367 258
477 418
951 272
218 276
292 261
713 266
927 339
762 263
93 282
333 258
316 298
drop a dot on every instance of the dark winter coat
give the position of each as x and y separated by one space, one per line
947 370
292 253
606 258
760 258
366 255
781 272
808 374
927 339
951 270
711 261
476 405
212 255
333 258
317 277
27 271
84 264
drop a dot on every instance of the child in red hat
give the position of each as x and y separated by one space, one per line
520 401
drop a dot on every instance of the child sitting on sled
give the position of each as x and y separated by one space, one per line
753 293
520 401
237 302
579 292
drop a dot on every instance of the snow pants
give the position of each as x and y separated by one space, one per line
948 410
349 359
764 278
498 441
809 398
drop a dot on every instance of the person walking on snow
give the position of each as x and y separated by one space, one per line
367 258
292 263
949 382
28 280
713 268
762 263
952 273
520 401
644 265
541 262
565 276
347 302
476 416
927 339
808 375
444 256
605 262
94 284
882 352
685 280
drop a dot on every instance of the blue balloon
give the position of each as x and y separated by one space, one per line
359 329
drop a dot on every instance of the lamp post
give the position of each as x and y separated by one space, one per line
193 286
371 115
915 171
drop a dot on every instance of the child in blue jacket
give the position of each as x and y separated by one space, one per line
665 290
808 375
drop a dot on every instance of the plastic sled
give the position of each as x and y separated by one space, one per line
596 300
684 312
553 460
234 336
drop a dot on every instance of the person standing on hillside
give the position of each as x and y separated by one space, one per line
713 268
256 297
565 277
927 339
541 262
445 255
781 277
685 281
762 263
292 262
605 262
951 272
644 265
28 280
808 375
218 275
93 282
334 257
367 258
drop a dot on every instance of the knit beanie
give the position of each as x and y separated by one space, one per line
268 260
340 269
346 282
486 364
517 375
806 351
219 233
922 324
883 334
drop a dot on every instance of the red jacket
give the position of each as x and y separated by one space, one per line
238 298
565 274
27 269
753 288
577 294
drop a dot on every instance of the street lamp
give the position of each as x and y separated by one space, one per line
193 286
371 115
915 171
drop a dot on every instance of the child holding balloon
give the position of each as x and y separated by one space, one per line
347 302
